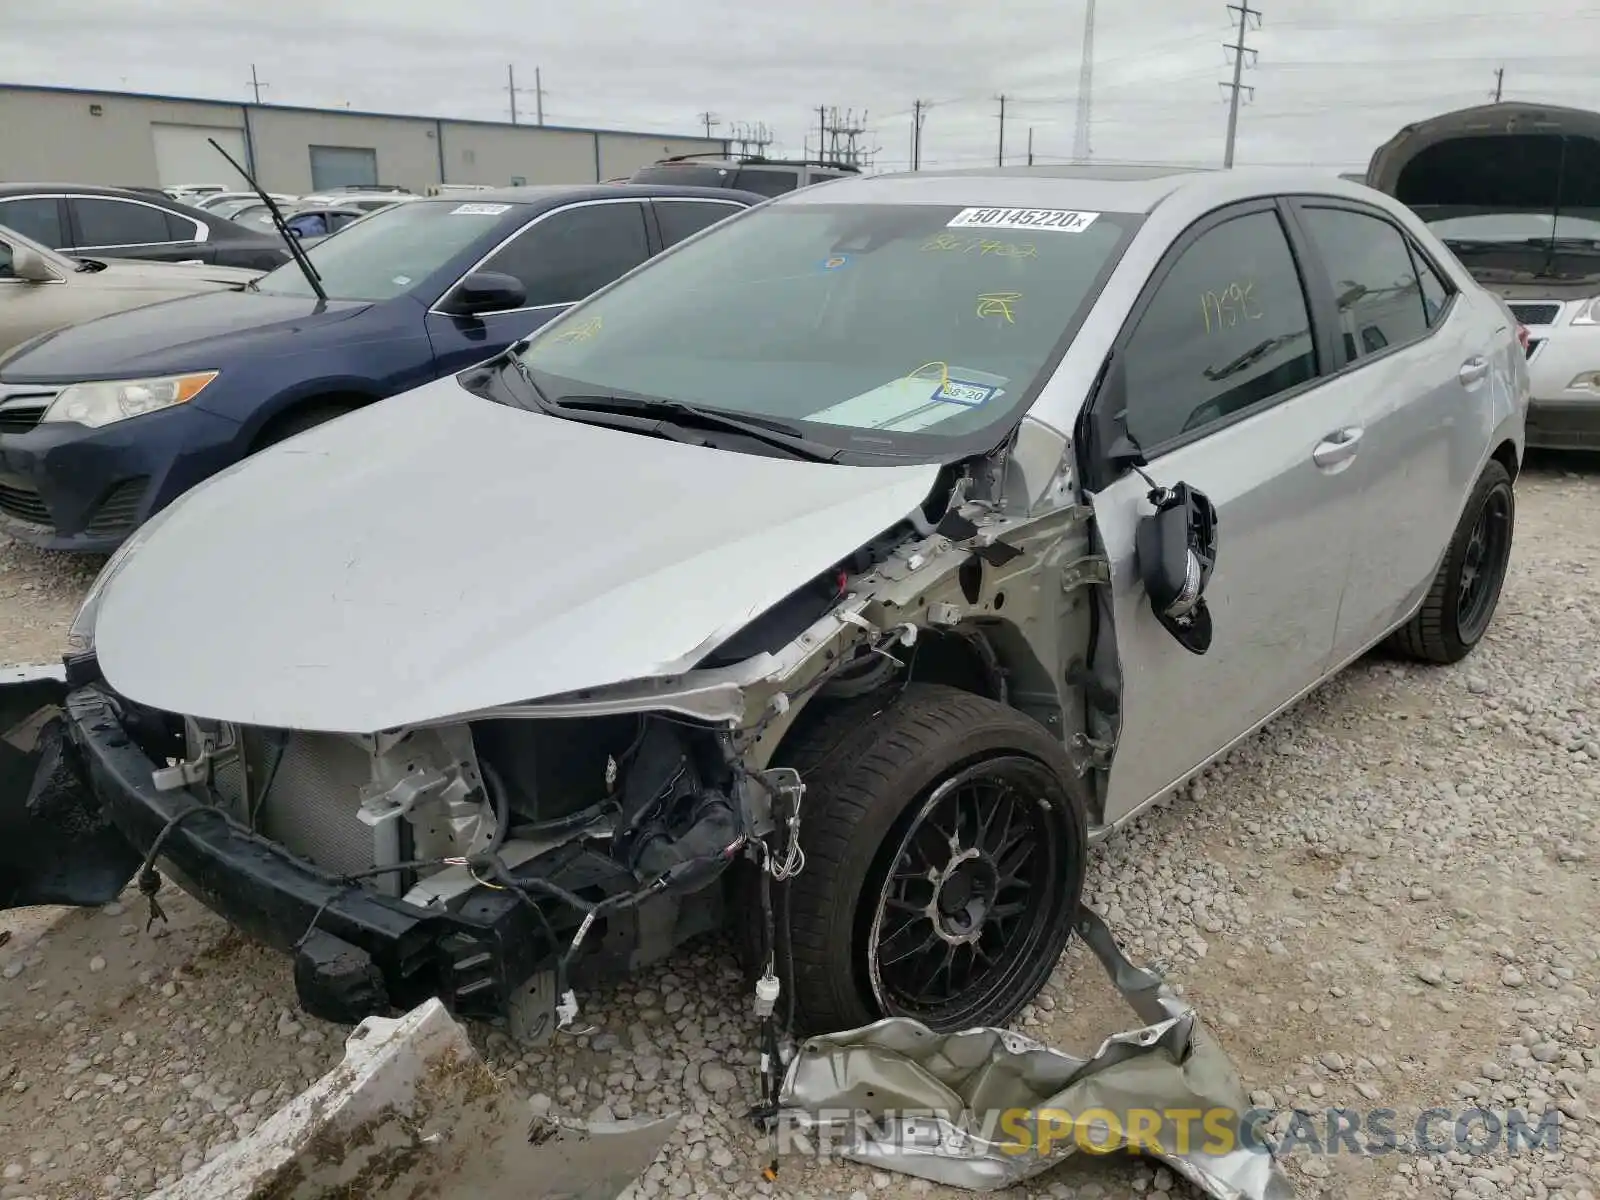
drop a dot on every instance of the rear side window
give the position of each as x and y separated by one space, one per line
1226 330
1375 283
181 229
684 218
575 251
118 223
766 182
1436 292
37 217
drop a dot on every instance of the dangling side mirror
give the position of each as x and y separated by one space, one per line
1177 547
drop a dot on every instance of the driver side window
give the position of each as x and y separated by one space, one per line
6 271
1227 330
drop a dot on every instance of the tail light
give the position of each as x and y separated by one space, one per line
1522 338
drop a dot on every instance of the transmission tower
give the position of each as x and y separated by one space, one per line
751 139
1080 135
840 135
1246 13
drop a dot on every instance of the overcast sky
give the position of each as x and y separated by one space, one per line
1332 80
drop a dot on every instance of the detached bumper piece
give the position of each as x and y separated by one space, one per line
356 953
985 1109
413 1111
57 845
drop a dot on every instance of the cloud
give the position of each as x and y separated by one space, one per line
1330 80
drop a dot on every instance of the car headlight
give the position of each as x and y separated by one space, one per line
80 635
1588 314
101 403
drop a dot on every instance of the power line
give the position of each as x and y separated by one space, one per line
752 139
1236 87
839 136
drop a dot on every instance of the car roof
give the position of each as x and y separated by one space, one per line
1088 187
544 194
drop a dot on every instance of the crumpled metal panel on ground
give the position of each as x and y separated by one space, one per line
900 1097
412 1113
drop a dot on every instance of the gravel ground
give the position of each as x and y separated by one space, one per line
1386 900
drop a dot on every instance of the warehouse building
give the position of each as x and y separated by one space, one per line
121 139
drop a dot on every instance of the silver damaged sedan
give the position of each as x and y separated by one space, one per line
841 576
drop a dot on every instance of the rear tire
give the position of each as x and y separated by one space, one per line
1461 602
894 782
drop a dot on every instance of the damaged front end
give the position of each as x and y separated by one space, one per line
503 859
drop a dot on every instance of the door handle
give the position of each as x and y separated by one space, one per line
1474 370
1338 447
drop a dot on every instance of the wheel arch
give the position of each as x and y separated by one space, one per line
290 405
1506 455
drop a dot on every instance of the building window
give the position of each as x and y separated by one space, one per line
343 166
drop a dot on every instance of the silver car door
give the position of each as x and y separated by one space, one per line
1217 378
1415 358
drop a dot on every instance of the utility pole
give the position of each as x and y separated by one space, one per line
1000 153
537 90
919 113
1080 135
710 121
1236 87
256 84
1030 145
1499 83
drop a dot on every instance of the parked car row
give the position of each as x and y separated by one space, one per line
105 421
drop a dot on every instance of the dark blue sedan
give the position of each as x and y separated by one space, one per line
105 423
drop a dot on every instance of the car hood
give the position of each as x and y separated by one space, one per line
185 334
438 554
1493 156
133 272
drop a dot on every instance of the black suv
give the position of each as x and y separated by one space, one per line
764 176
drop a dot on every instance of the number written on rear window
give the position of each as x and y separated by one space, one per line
1226 330
1375 283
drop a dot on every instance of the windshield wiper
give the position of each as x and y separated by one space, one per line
296 251
675 412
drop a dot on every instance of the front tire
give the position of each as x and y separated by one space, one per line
945 838
1461 602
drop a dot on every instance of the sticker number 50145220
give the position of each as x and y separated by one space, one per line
1060 220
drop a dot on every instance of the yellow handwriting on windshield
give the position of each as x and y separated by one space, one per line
953 243
1234 303
942 367
998 304
580 333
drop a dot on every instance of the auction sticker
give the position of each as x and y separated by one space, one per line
1059 219
479 210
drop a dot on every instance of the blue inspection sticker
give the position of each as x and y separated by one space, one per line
968 395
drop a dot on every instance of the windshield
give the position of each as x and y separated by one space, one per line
1465 224
899 329
389 252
